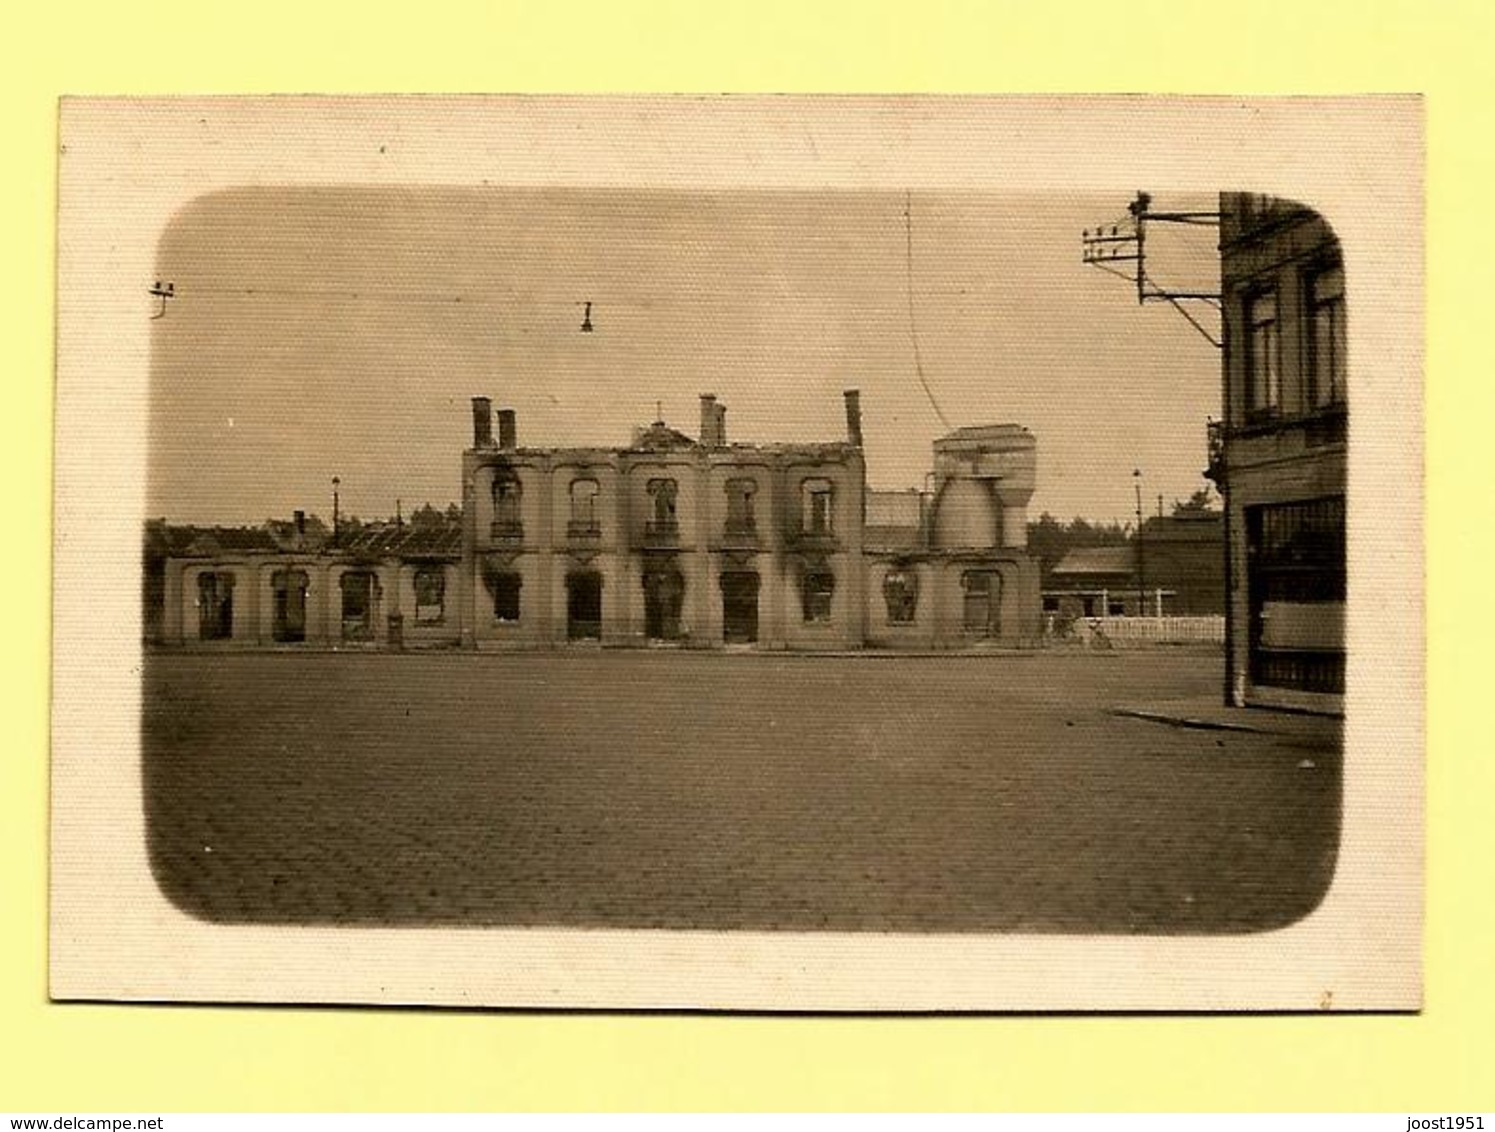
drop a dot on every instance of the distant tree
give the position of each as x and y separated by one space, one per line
1050 540
1202 502
453 513
1047 541
427 516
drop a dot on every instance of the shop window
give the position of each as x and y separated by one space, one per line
900 589
1263 356
819 499
741 519
430 595
819 589
1326 337
1296 583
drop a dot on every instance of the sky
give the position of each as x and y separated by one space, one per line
339 331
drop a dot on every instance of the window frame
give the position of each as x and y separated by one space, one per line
818 507
1317 309
1258 408
582 494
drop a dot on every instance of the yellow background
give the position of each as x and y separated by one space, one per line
115 1058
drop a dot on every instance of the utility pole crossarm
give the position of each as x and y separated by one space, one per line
1127 243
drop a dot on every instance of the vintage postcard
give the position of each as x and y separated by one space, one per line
772 553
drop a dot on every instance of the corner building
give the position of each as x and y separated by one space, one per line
1280 454
698 542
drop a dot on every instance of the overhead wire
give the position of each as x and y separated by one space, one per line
913 325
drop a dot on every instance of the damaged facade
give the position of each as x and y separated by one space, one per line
672 539
285 585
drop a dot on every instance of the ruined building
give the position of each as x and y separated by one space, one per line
671 539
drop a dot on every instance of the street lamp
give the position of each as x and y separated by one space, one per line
1141 562
335 482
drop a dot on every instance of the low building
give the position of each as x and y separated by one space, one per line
1176 569
670 540
385 584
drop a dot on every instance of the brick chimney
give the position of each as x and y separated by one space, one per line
508 430
854 417
300 541
482 422
721 425
709 421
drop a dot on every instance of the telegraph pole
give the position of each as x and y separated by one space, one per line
1141 567
1114 248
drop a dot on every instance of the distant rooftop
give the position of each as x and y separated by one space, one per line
1098 560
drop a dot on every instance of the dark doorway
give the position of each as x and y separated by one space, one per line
359 594
215 606
664 595
290 606
584 606
740 608
983 603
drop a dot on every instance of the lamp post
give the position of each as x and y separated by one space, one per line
1141 562
335 482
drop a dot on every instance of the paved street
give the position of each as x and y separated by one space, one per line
680 790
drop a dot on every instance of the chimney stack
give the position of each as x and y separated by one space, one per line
482 422
709 421
854 417
508 430
721 426
300 541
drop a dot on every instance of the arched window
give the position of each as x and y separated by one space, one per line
360 596
288 615
900 589
584 519
983 602
818 503
818 590
215 606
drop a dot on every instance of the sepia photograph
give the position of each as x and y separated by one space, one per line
801 554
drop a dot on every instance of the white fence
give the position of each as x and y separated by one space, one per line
1103 631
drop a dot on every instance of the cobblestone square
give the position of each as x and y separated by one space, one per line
670 789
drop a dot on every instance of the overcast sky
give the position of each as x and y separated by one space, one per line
322 332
